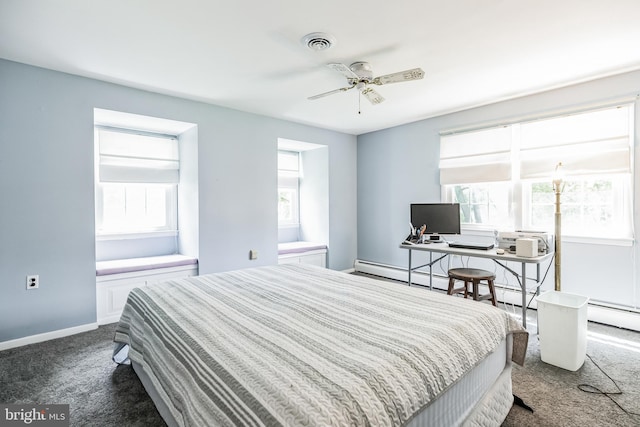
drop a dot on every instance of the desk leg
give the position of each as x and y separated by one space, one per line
409 280
523 285
430 270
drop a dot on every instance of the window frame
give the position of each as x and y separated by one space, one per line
620 208
449 197
170 228
171 210
520 200
290 180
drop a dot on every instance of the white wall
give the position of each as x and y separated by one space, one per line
47 190
398 166
314 196
188 192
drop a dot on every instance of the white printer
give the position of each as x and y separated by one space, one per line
507 240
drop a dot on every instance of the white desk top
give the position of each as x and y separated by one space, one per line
444 248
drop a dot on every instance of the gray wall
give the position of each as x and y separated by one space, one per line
47 190
399 166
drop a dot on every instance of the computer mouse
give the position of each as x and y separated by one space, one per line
500 251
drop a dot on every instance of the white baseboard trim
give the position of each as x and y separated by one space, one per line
109 319
60 333
505 294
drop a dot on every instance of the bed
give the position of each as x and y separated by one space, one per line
297 344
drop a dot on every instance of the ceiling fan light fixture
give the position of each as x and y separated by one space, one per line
318 41
359 75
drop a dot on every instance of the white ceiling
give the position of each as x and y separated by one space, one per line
247 55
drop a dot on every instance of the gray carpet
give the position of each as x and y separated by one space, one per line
78 370
553 392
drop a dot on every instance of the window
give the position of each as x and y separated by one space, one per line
303 191
288 188
591 206
136 189
502 176
130 208
482 203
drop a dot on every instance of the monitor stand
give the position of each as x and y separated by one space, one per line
434 237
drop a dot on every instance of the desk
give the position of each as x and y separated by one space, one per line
445 250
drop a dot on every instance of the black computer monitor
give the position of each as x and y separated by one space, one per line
440 218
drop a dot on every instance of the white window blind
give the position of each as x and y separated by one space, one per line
137 158
478 156
595 148
288 169
596 142
288 163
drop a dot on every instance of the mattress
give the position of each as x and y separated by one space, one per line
464 402
296 344
482 397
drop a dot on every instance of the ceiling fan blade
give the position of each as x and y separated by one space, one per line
344 70
402 76
331 92
373 96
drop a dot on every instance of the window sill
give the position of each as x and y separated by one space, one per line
481 231
583 240
477 231
120 266
300 247
133 236
608 241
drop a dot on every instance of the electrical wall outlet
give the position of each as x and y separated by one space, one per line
33 281
253 254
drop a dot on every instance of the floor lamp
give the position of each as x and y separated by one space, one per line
558 186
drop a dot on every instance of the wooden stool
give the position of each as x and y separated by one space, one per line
472 276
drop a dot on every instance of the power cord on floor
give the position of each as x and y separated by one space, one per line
588 388
535 294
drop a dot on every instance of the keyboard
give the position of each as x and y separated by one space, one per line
470 245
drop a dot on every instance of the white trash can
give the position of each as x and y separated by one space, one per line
562 329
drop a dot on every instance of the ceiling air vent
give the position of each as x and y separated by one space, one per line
318 41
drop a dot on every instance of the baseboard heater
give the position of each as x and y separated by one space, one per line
620 317
503 293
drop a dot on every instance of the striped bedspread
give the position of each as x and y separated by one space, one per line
302 345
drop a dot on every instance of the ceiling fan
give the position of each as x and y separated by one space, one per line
359 75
